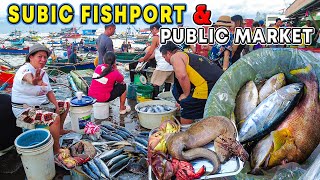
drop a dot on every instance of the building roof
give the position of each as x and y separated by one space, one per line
299 7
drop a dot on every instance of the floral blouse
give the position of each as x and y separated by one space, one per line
217 51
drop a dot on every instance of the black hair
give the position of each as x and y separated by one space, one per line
156 25
109 58
170 46
278 19
33 54
109 25
236 18
255 24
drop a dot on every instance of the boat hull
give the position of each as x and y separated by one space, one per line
14 51
67 67
82 79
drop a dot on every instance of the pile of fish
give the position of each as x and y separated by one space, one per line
156 108
283 120
117 149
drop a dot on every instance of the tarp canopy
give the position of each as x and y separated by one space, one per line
299 7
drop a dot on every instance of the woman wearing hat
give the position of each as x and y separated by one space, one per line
33 101
219 53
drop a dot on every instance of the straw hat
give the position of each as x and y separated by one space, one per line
35 48
224 21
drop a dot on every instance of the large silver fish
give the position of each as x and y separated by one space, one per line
102 167
270 112
247 99
271 85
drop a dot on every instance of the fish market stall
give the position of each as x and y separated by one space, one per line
261 121
103 152
272 95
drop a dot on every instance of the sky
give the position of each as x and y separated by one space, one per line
246 8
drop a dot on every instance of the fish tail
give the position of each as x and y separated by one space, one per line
304 74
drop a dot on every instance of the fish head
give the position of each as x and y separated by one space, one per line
294 89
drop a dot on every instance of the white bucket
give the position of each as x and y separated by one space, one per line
80 116
38 163
153 120
101 110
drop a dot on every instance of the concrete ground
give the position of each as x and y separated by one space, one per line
129 121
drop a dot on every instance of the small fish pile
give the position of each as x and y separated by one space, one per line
156 108
117 149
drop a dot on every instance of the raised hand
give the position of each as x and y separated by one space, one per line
37 79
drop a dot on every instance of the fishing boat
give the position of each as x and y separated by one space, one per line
16 41
15 33
52 42
6 78
14 51
143 34
125 57
89 41
89 32
67 67
72 35
82 79
140 41
89 48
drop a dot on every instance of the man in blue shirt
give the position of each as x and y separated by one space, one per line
104 42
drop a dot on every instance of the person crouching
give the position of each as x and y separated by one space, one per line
108 83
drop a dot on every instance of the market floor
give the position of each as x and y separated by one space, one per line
129 121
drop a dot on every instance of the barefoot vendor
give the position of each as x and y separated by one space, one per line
194 78
33 100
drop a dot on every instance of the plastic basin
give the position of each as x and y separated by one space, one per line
32 139
153 120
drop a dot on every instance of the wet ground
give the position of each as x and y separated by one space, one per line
129 121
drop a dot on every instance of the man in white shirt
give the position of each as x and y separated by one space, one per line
164 71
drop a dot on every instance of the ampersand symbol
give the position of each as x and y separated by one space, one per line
202 15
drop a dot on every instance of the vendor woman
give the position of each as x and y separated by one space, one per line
194 78
33 101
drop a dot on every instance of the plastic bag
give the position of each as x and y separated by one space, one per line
262 64
259 64
69 139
